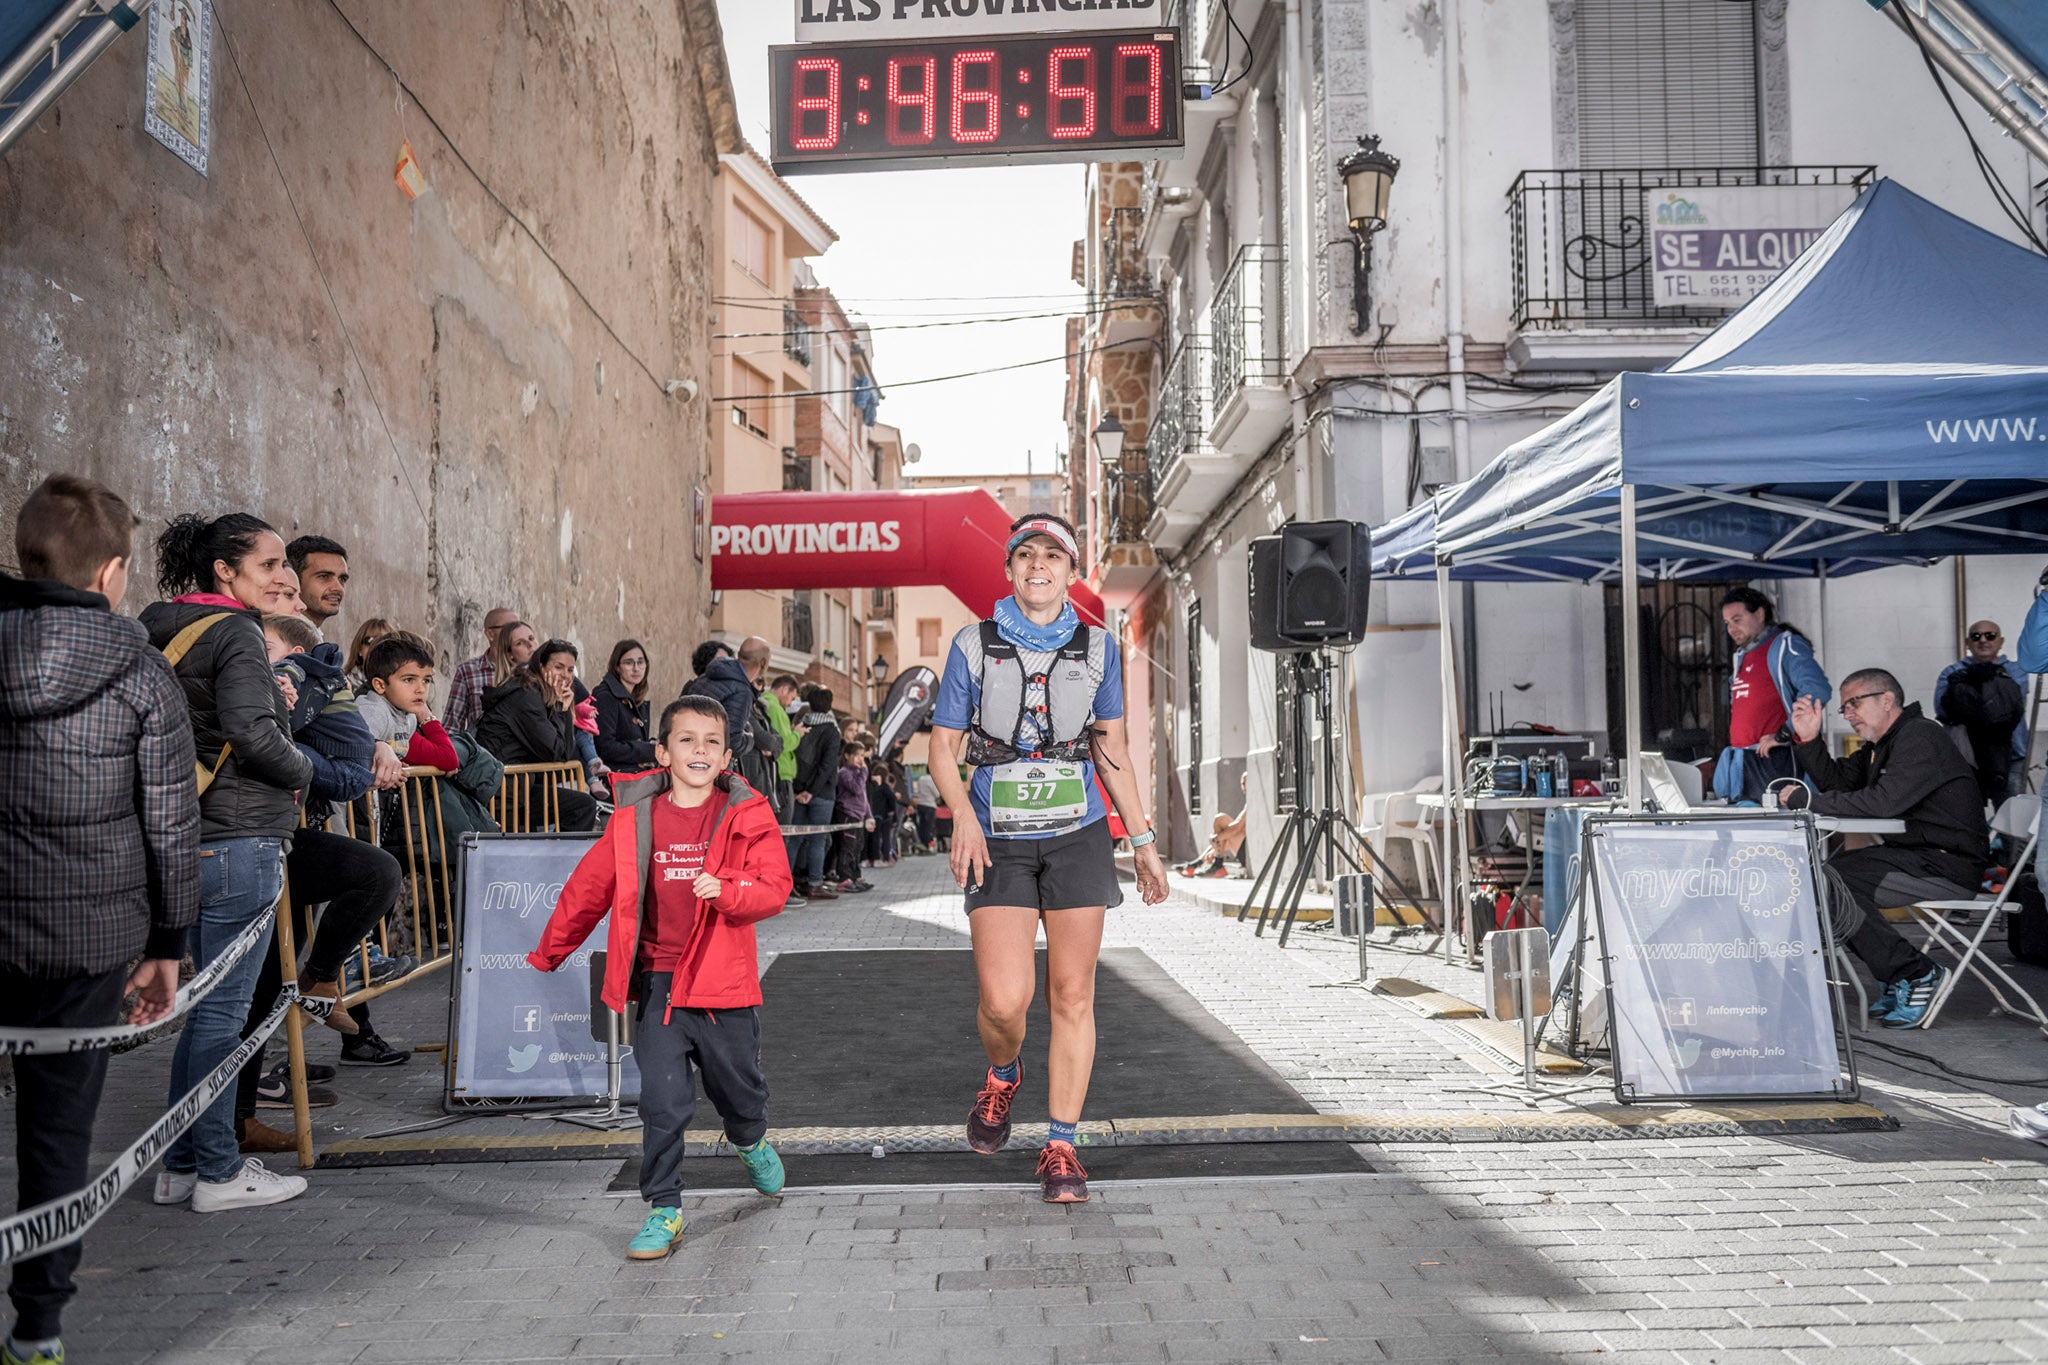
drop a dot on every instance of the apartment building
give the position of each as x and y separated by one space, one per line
1265 364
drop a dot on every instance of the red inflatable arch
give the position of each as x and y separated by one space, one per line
947 537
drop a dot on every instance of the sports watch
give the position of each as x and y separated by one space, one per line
1138 841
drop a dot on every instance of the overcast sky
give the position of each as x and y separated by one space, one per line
917 246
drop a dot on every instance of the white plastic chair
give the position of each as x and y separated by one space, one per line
1947 921
1414 824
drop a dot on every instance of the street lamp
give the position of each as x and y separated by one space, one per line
878 670
1109 441
1368 175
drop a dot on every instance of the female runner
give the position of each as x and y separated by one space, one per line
1031 700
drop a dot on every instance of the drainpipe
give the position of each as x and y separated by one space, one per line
1454 314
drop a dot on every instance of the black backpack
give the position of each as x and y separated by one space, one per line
2026 921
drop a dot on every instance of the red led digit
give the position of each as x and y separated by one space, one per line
1127 91
918 107
1059 94
803 104
985 97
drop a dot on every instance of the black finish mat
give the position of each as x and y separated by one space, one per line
852 1039
1016 1164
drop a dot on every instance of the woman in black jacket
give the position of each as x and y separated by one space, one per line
623 726
531 718
220 577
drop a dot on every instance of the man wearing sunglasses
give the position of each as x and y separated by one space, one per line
1984 694
1906 770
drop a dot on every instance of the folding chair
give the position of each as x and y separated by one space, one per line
1947 923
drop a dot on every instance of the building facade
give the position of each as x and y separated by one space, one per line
1225 334
478 376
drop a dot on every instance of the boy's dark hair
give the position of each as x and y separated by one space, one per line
821 700
781 680
186 551
296 552
71 525
394 652
695 706
702 655
302 635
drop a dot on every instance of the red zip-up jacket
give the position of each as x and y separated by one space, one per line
716 970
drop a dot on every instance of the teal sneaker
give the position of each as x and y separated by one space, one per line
1887 998
764 1167
658 1236
1915 998
50 1354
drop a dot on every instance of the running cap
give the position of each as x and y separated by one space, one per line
1045 524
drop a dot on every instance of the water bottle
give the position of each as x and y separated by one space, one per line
1546 776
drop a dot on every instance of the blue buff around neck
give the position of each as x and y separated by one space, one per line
1006 1074
1020 630
1059 1130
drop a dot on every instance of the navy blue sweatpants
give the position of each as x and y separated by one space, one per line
724 1047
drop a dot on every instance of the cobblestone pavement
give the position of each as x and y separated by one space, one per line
1922 1245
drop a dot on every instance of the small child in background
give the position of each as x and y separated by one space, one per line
690 860
852 805
400 673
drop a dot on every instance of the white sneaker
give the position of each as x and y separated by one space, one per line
174 1187
252 1187
2030 1123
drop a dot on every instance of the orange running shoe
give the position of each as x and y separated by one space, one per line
988 1123
1060 1176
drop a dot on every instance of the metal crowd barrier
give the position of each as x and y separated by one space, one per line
529 799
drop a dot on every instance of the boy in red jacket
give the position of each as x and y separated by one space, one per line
691 859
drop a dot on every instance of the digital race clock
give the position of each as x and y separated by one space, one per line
1056 97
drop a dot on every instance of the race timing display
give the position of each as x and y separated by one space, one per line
891 105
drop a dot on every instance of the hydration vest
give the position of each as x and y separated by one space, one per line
1069 711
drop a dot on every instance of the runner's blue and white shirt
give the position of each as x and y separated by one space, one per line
960 695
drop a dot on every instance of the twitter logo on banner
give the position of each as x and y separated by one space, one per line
522 1058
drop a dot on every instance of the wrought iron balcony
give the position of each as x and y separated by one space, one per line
1126 497
1580 240
1180 425
797 632
796 471
797 335
1244 322
881 605
1124 273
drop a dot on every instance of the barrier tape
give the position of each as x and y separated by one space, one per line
62 1221
19 1041
799 831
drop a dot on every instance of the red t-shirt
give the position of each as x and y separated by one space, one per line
681 839
1755 708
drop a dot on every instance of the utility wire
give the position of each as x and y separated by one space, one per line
934 379
919 326
2007 203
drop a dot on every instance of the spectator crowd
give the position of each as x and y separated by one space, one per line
171 774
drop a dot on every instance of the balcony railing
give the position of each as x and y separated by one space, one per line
796 336
1580 240
797 633
881 604
1244 322
1181 423
796 471
1124 273
1126 497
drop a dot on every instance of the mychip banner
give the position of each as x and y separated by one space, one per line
1717 961
522 1033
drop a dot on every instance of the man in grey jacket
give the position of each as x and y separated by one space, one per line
99 833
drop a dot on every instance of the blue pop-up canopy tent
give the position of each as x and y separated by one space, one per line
1885 399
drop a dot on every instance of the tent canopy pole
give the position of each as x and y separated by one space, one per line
1631 649
1449 872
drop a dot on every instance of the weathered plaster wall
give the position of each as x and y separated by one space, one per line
497 433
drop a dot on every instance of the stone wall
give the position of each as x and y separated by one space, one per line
465 389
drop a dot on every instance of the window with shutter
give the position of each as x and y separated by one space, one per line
1667 83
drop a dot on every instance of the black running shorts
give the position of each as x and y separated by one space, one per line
1065 872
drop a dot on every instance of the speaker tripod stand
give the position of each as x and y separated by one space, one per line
1310 831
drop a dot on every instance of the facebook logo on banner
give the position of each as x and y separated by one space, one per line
526 1019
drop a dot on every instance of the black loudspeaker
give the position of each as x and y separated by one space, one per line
1310 585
